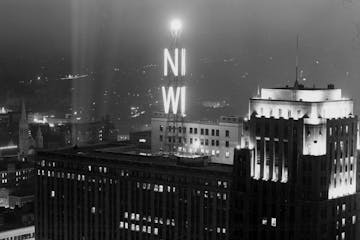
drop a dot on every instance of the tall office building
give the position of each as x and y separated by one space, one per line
116 192
299 177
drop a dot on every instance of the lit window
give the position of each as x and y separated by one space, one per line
156 231
121 225
52 193
126 214
353 219
227 154
93 210
273 222
264 221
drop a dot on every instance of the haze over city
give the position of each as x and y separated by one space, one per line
233 46
180 120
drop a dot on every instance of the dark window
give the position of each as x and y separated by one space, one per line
226 143
195 130
212 142
217 142
206 132
212 132
227 133
202 131
161 128
161 138
217 132
191 130
206 142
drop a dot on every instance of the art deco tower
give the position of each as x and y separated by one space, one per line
300 171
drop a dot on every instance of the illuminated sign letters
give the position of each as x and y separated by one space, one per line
173 96
173 99
174 64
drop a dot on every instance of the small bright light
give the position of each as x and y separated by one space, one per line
175 26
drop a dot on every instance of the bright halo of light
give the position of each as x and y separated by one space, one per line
175 26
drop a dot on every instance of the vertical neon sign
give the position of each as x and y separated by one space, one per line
173 97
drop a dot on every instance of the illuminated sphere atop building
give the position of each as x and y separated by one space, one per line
175 27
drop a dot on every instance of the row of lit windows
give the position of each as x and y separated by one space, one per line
341 129
211 152
203 142
280 113
155 187
265 221
157 220
21 237
136 227
343 222
101 169
203 131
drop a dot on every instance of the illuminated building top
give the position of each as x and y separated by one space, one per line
298 102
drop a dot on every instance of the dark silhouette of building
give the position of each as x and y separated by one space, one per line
117 192
298 179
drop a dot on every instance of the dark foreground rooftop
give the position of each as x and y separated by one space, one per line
129 154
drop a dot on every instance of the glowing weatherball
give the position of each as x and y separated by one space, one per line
175 26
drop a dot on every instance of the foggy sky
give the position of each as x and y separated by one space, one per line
259 35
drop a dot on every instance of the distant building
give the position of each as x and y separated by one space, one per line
141 137
119 192
21 196
14 173
101 131
299 176
18 233
215 139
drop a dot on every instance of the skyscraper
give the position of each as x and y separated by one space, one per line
299 176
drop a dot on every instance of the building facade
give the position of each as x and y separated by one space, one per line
18 233
215 139
299 175
118 193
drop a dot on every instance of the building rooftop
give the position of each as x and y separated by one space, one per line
301 93
130 155
221 119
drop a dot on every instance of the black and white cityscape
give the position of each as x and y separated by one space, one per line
179 120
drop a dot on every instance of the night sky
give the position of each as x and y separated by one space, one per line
233 46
